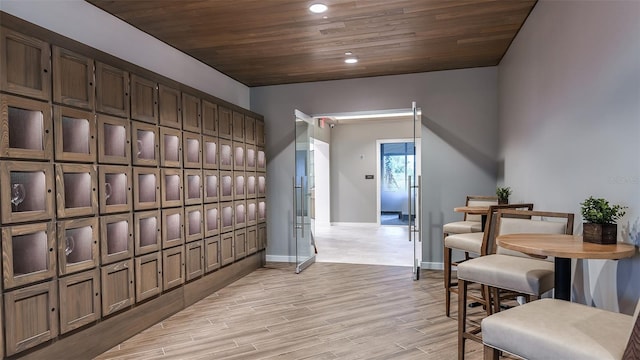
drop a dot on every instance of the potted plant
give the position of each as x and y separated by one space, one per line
503 193
600 220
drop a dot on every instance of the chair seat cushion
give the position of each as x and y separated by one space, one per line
461 227
558 329
471 242
526 275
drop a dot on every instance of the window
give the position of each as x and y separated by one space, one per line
397 162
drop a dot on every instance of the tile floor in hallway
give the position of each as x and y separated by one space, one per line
393 219
329 311
335 309
364 244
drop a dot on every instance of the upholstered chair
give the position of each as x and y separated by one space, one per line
471 223
478 243
559 329
509 270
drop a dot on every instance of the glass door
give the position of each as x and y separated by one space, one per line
303 187
415 194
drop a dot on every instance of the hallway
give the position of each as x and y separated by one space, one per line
364 244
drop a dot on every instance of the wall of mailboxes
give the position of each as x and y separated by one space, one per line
115 188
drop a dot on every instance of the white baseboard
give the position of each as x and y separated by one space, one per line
432 265
292 259
354 224
281 258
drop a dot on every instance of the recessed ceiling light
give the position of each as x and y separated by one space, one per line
318 8
351 60
348 53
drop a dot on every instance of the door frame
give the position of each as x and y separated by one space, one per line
418 156
322 185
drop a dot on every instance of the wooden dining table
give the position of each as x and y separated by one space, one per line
563 248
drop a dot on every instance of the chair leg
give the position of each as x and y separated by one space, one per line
462 317
486 294
491 353
447 280
496 299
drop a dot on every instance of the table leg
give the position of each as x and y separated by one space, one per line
562 278
483 219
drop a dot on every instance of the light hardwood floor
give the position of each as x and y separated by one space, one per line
329 311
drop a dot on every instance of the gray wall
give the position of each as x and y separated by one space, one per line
459 140
569 90
353 154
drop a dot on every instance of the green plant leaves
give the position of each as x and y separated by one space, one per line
503 192
599 211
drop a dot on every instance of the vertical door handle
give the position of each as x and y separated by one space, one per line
295 212
419 212
409 210
302 196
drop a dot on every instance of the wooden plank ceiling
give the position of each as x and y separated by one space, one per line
271 42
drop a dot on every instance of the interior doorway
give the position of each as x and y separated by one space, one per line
353 232
396 159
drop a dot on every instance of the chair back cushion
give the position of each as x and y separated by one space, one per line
527 226
478 202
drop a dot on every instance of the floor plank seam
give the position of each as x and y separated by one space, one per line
330 311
